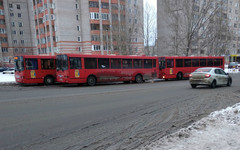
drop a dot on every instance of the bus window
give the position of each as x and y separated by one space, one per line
179 62
90 63
75 63
47 64
137 63
31 64
170 63
203 63
116 63
217 62
195 62
209 62
147 63
127 63
103 63
187 62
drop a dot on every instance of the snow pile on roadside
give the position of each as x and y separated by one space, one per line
7 78
219 131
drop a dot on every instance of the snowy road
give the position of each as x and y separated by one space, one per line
122 116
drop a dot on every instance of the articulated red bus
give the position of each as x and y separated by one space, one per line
178 67
35 69
91 69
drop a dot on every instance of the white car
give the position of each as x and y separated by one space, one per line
9 71
210 76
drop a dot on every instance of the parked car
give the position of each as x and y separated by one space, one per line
210 76
9 71
2 69
233 65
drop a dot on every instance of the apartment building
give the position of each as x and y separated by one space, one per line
87 26
17 34
48 27
216 35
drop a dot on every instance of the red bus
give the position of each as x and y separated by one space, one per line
179 67
91 69
35 69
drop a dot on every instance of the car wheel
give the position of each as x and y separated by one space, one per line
48 80
229 83
213 85
138 78
91 81
193 86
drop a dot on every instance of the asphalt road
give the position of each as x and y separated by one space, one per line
110 116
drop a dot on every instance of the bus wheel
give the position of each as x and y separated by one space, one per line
48 80
138 78
91 81
179 76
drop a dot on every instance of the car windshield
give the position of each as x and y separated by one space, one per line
203 70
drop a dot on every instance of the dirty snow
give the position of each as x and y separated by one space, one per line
219 131
7 78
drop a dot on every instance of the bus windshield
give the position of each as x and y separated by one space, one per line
162 64
18 63
62 62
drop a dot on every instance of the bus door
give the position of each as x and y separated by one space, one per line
116 71
170 67
47 67
32 68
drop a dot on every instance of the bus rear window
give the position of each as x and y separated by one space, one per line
18 62
203 70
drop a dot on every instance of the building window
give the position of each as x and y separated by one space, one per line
22 41
79 49
11 14
77 6
19 15
4 49
79 39
93 4
13 24
105 5
14 41
104 16
1 12
94 15
16 50
96 47
18 6
78 28
77 17
2 30
21 32
20 24
14 32
24 50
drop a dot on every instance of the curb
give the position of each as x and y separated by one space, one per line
7 83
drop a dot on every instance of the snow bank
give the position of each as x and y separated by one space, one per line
219 131
4 78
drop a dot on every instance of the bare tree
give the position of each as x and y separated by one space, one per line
149 27
193 25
